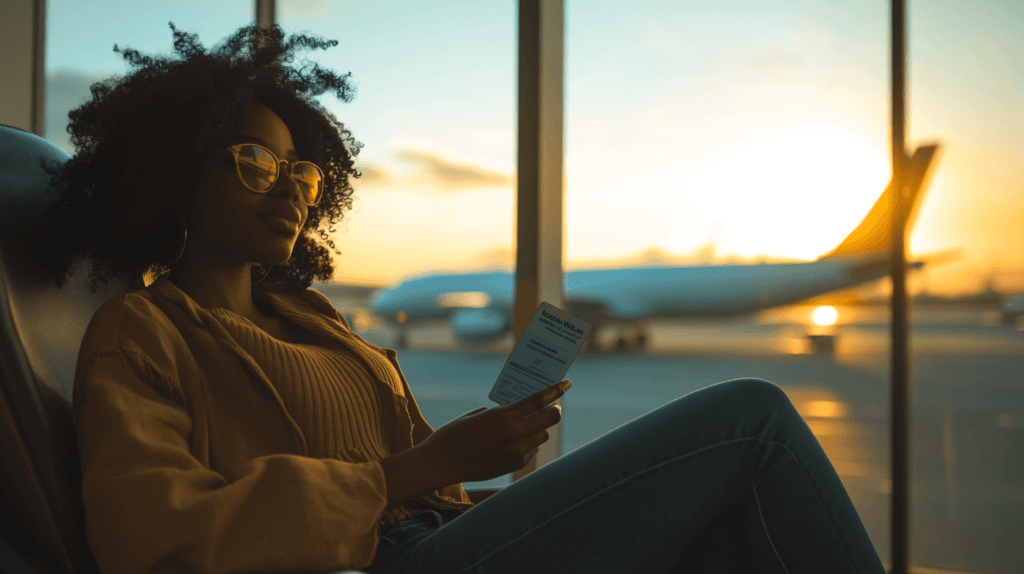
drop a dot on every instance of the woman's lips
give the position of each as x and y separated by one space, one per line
281 225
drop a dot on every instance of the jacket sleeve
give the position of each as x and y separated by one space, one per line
421 429
151 506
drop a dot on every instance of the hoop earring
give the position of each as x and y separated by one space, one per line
265 274
183 241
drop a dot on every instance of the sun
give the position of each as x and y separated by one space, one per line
795 193
825 315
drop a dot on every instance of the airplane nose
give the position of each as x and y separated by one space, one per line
379 300
376 298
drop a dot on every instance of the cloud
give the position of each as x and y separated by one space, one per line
375 175
425 168
438 170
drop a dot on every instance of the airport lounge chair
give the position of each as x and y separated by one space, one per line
42 522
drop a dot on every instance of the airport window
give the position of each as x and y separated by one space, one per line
722 162
78 56
745 139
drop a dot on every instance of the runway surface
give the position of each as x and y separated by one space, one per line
967 392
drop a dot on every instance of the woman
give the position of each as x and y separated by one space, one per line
230 421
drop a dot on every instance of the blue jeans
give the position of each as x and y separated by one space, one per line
633 499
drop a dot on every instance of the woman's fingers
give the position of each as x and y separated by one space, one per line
538 401
533 443
474 411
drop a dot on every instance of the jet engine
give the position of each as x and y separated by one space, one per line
478 325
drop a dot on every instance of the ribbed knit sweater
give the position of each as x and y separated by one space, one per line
333 390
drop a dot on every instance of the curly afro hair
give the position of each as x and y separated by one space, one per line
163 118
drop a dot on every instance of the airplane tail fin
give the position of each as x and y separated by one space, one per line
874 234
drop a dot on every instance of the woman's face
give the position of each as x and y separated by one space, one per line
236 223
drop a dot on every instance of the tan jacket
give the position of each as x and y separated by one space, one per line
190 461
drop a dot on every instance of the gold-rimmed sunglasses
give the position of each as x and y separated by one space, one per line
258 168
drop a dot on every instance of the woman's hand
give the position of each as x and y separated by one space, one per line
486 443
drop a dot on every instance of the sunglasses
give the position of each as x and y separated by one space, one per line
258 169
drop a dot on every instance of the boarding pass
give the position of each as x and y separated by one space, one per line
542 356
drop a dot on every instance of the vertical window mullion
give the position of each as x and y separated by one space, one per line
539 195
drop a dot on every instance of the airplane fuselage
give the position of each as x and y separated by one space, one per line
640 292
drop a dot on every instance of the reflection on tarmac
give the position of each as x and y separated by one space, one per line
841 436
967 392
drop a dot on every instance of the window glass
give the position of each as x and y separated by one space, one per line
728 134
435 111
748 134
80 37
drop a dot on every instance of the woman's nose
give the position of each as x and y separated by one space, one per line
285 184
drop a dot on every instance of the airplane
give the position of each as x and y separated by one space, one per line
478 306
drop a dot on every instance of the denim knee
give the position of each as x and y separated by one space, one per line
759 391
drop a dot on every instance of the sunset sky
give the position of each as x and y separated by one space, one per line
718 130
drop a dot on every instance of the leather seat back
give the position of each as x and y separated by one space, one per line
41 330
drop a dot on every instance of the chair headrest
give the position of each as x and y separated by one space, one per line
50 321
21 178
